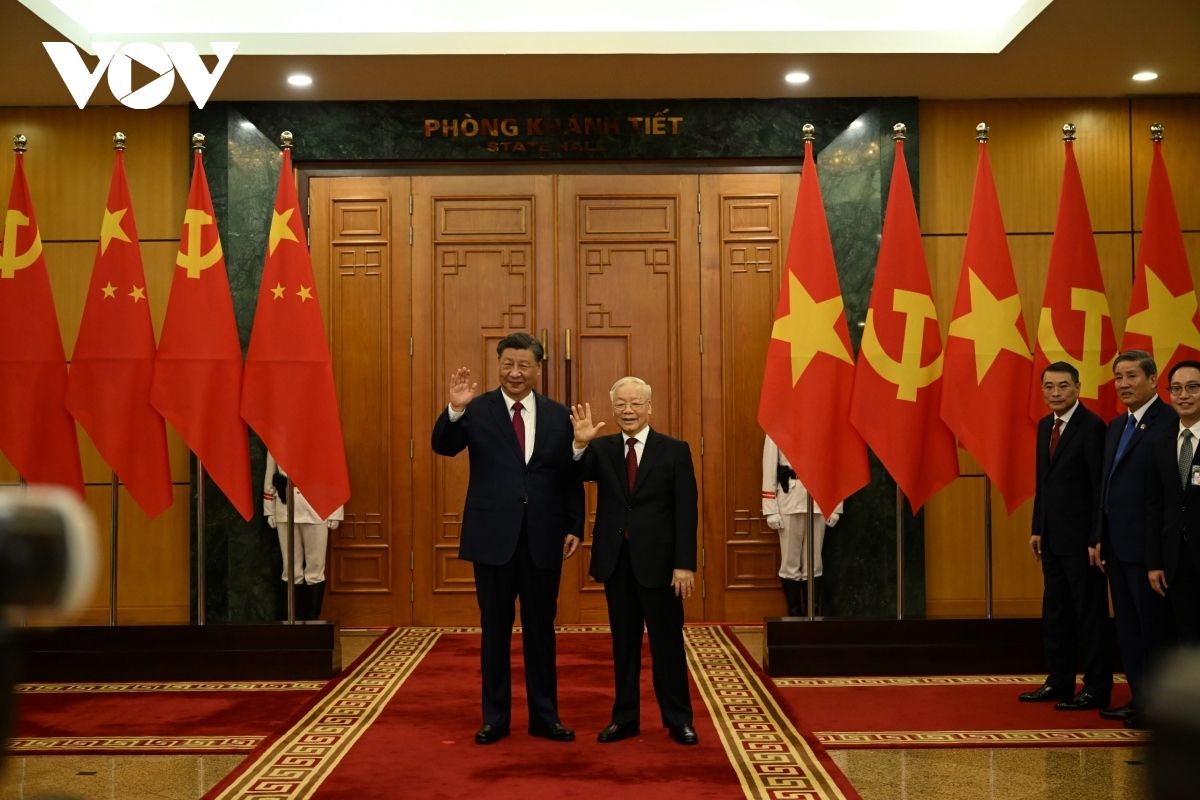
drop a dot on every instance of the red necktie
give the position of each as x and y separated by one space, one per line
519 427
1054 434
631 469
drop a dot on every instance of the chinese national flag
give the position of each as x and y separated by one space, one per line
1163 319
1075 324
108 391
897 398
198 372
805 399
988 368
36 433
288 396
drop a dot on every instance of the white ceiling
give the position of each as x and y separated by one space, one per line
549 27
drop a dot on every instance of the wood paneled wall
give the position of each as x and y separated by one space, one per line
69 166
1026 152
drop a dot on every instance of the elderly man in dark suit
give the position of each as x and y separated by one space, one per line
1070 448
644 552
1172 488
523 517
1118 544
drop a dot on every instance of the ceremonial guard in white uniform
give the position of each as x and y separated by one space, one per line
311 534
785 505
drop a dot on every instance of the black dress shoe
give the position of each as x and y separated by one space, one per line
490 734
555 733
684 734
615 732
1138 721
1045 694
1084 701
1123 713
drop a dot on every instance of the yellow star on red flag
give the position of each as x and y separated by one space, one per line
111 228
138 293
280 230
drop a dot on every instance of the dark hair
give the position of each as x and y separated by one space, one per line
1142 358
1189 363
1062 366
521 341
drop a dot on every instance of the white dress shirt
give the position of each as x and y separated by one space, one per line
1195 429
528 415
638 448
1065 418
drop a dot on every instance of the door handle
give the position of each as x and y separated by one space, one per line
545 354
567 368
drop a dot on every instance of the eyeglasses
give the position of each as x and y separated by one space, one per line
634 406
1191 388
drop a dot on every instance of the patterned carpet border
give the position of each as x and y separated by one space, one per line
177 686
771 757
892 739
296 764
928 680
131 745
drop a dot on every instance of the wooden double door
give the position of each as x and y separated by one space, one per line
672 278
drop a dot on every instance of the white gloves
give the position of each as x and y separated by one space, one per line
333 524
271 521
775 522
832 520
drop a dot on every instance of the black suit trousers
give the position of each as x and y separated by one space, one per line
1143 622
629 606
497 589
1075 622
1184 594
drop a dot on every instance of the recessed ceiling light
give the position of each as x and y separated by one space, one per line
796 77
1145 76
299 80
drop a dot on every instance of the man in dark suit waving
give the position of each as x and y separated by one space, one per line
1173 506
1118 544
523 517
1070 448
644 552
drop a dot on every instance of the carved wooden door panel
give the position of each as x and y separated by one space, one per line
483 267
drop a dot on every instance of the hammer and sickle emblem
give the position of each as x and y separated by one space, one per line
10 259
194 261
907 373
1094 306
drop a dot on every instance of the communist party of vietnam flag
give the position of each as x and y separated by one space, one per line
288 396
1163 319
896 404
37 435
988 368
1075 325
198 371
806 390
108 390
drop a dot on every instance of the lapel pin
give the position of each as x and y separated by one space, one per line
1142 427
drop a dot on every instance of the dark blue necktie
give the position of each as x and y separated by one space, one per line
1126 435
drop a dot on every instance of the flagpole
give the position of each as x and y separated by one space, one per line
811 563
291 548
200 565
987 544
23 487
112 558
899 553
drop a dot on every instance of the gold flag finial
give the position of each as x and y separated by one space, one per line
118 141
197 141
1156 132
1068 132
286 139
809 132
19 143
899 132
981 132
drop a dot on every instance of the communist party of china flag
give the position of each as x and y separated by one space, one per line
896 404
108 390
288 396
806 390
1075 324
1163 318
198 371
988 368
37 435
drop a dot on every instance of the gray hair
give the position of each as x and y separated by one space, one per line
1143 359
646 390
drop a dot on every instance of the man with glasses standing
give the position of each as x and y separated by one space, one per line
1173 506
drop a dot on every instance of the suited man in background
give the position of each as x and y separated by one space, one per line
523 518
1173 506
644 552
1118 544
1070 449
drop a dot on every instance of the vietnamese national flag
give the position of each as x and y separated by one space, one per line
288 396
1163 319
897 398
198 372
108 390
988 370
37 435
805 401
1075 324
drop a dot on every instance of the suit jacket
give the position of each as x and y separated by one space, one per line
1122 528
660 513
504 491
1171 510
1067 500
